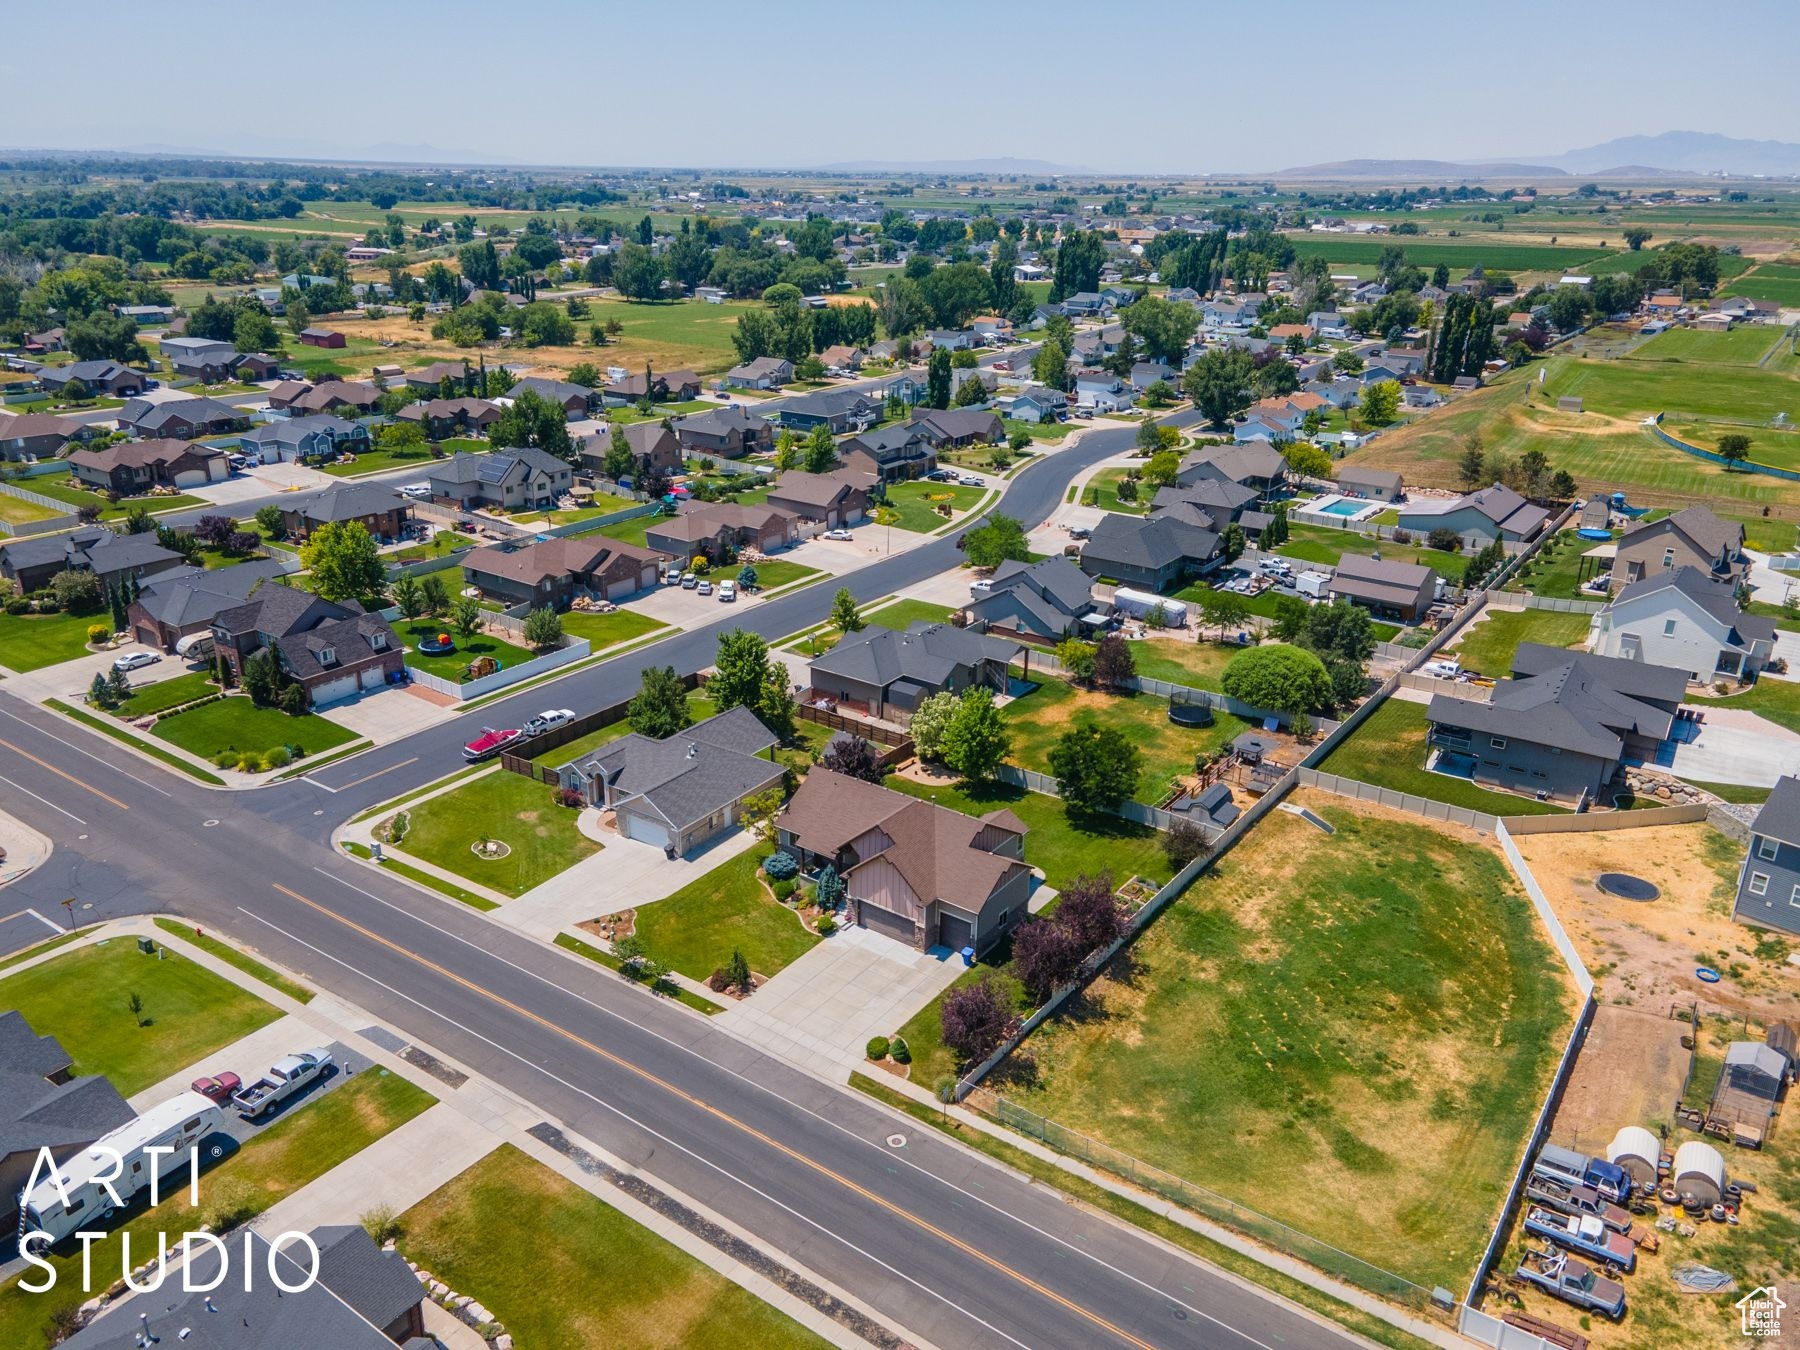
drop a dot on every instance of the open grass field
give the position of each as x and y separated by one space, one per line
1349 1033
80 997
1040 719
1388 750
1768 282
274 1164
452 665
509 807
1742 346
1487 250
238 724
913 504
1488 644
528 1245
728 909
33 641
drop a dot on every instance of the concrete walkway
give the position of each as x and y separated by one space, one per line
624 875
24 849
1736 745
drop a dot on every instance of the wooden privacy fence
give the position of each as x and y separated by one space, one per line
839 721
574 731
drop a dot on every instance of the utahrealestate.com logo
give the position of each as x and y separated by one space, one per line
1761 1312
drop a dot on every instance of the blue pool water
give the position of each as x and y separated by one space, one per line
1342 507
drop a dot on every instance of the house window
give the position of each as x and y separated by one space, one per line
1794 899
1668 558
327 656
1759 883
1766 847
1498 742
378 641
1668 628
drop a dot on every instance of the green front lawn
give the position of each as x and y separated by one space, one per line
560 1267
232 956
1388 750
272 1165
776 573
64 488
81 998
374 461
606 630
33 641
1103 491
1487 645
509 807
729 909
1349 1033
165 694
451 666
903 614
912 504
237 724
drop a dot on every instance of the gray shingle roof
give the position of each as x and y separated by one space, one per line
377 1284
722 422
350 501
926 653
1056 578
1710 534
184 596
295 431
693 773
1153 544
95 548
1717 598
1779 817
36 1113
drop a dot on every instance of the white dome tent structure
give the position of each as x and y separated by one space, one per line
1699 1171
1636 1150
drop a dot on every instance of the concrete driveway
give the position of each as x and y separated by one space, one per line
69 680
623 875
263 481
820 1012
1735 745
389 714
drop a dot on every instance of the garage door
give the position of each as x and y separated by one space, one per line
955 932
886 922
333 690
644 830
373 678
191 478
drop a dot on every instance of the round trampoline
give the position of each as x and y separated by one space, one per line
1626 886
440 644
1190 714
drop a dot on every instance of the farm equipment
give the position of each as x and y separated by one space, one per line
1562 1276
1587 1236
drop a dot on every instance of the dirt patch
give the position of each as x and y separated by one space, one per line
1643 955
1631 1072
613 926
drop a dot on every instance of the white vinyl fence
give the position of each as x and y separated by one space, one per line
576 651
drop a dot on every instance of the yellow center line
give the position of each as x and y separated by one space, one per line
67 776
796 1155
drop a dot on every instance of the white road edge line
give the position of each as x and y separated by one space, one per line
654 1134
45 800
885 1153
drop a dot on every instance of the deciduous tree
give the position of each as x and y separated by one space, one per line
976 742
1096 768
344 561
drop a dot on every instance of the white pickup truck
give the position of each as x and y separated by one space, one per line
287 1076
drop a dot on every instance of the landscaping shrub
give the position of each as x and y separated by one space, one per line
780 866
785 888
278 758
826 925
899 1051
18 605
877 1047
226 760
249 762
1444 539
97 633
571 798
1278 677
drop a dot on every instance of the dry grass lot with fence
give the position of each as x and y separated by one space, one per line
1349 1033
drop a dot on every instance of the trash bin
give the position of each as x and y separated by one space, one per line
968 956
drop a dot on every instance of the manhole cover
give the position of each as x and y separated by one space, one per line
1626 886
896 1141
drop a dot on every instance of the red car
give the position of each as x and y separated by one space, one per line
218 1087
489 744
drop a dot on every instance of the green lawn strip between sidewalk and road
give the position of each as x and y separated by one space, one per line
601 957
727 909
425 879
107 727
242 960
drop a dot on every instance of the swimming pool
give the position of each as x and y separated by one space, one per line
1342 506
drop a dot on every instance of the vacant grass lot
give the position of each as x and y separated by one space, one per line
33 641
504 806
728 909
1349 1033
452 665
527 1244
1388 750
1488 645
238 724
271 1166
81 998
913 504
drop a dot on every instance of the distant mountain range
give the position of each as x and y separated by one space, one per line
1673 153
950 166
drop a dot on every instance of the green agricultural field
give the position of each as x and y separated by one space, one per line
81 998
520 812
1742 346
237 724
1781 285
1388 750
526 1243
727 909
1348 1032
1486 250
1487 646
685 335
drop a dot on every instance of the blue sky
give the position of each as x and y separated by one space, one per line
1186 88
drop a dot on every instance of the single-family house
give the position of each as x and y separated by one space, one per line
551 573
656 386
1210 503
379 509
321 337
1102 391
680 792
30 436
283 393
1391 589
431 378
512 479
889 672
351 397
29 562
99 377
729 433
196 348
765 372
1692 537
134 467
1378 485
840 497
1047 600
951 428
893 453
842 359
951 339
302 439
1037 404
1146 373
183 601
1685 619
1259 466
902 386
333 650
180 416
1478 518
443 418
914 871
255 366
1768 888
1086 305
44 1105
576 400
1152 554
1561 727
717 528
842 410
654 450
1327 323
145 316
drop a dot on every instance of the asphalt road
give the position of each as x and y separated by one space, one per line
954 1249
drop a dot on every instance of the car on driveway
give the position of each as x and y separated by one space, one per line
689 581
218 1087
544 721
134 660
489 744
971 480
704 588
843 536
417 491
728 591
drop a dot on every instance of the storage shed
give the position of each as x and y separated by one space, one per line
1636 1150
1782 1036
1700 1172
